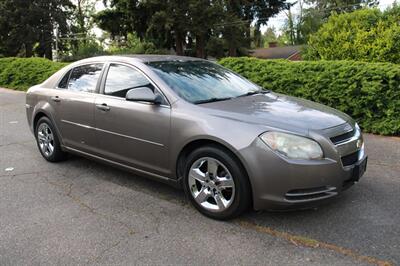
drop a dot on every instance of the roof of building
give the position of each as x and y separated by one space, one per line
283 52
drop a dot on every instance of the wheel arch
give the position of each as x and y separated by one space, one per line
38 115
36 118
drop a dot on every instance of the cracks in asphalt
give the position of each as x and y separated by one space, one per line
103 252
312 243
25 173
97 258
68 192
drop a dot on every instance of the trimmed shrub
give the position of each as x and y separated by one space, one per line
369 92
22 73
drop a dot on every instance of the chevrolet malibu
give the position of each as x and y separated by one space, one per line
194 124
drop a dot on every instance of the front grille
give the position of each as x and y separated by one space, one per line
310 193
350 159
343 137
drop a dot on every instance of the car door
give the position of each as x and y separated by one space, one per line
74 105
132 133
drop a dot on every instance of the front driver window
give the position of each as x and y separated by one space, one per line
120 79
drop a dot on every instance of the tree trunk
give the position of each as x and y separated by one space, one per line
232 51
48 52
257 37
81 22
248 17
190 42
28 50
47 42
81 19
200 46
248 35
179 43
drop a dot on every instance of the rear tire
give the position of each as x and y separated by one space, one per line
48 142
215 183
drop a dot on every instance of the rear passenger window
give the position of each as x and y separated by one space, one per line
64 82
120 79
84 78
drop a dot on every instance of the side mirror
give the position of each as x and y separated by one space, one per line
143 94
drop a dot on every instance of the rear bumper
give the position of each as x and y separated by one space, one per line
281 183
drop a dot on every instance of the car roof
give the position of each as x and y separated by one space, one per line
140 58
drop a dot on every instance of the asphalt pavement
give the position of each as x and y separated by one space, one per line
84 212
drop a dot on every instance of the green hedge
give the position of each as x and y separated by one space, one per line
22 73
369 92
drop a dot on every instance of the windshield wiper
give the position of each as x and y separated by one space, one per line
211 100
253 92
228 98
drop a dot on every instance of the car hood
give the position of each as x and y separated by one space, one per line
279 111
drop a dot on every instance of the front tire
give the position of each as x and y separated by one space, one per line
216 184
48 142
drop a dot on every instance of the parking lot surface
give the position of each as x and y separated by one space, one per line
84 212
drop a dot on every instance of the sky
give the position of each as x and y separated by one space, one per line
279 20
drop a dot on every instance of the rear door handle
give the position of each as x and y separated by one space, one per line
56 99
103 107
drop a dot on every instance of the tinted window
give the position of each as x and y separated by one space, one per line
84 78
202 81
64 82
121 78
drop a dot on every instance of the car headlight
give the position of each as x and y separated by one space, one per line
292 146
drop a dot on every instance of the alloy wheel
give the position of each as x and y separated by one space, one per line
46 139
211 184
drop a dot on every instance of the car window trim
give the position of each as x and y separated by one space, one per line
156 87
69 71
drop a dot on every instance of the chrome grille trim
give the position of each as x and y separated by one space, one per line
343 137
355 137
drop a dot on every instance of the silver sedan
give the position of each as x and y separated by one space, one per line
194 124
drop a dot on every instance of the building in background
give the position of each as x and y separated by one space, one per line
291 52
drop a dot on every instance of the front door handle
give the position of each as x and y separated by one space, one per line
103 107
56 99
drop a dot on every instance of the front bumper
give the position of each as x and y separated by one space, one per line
281 183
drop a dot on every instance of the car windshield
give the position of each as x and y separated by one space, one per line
202 81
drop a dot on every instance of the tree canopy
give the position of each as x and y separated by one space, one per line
190 28
26 27
334 29
365 35
311 14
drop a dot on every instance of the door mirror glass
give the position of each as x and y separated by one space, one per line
143 94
